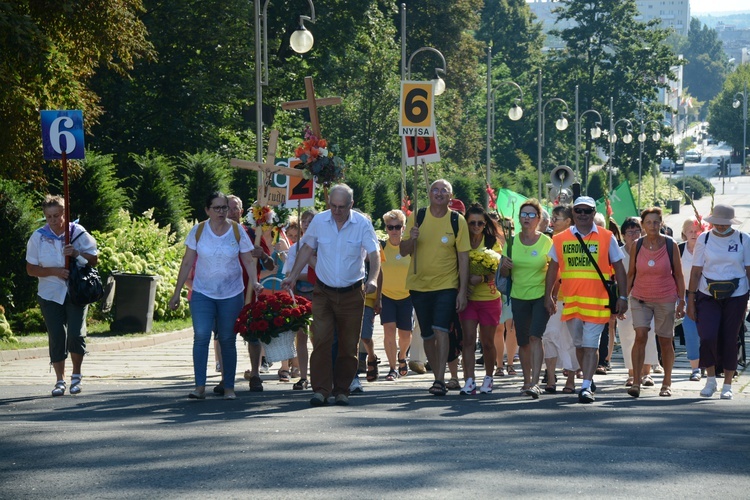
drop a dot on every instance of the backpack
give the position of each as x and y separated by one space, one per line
201 225
454 220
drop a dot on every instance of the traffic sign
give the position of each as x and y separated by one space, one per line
62 131
417 117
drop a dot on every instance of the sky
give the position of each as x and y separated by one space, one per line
718 6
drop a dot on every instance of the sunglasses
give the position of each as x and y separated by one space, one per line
527 215
478 223
391 228
584 211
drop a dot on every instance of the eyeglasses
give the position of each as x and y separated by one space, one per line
222 208
555 219
633 232
478 223
394 227
527 215
584 211
439 191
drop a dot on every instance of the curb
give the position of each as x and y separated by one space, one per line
126 343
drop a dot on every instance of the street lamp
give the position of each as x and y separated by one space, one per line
627 138
301 41
560 124
641 139
406 75
736 104
595 132
514 113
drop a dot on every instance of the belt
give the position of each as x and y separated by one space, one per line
343 288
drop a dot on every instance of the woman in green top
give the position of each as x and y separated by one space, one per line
528 269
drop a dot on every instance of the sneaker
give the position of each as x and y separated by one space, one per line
726 392
709 389
469 389
342 400
479 361
75 383
318 400
658 369
219 388
59 389
586 396
486 385
593 386
218 367
356 386
265 366
695 376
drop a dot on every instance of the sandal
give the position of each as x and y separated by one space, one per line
533 391
635 391
284 376
438 388
499 372
569 390
392 375
372 372
295 372
648 381
256 384
511 370
300 385
664 392
453 384
75 383
629 382
403 368
59 389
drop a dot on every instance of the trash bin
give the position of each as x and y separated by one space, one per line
134 302
674 205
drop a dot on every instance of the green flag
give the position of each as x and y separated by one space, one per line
622 202
508 203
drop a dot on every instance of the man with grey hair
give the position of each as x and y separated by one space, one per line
438 241
343 239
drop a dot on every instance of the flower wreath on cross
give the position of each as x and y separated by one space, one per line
319 160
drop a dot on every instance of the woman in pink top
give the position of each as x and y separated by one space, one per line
656 285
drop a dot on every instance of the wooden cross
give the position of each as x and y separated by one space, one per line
267 169
312 103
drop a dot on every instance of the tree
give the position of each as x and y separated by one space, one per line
707 64
202 173
609 54
726 121
95 193
157 190
49 49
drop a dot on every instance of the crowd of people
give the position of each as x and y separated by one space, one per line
569 285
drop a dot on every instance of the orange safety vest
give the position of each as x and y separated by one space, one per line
582 290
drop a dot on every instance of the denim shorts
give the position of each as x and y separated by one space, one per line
368 323
435 310
400 312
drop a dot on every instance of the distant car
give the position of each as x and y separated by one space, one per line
712 141
693 156
667 165
679 165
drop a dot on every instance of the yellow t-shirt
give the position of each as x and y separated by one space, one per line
529 268
370 298
395 268
436 256
483 291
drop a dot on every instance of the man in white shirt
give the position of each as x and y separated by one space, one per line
342 238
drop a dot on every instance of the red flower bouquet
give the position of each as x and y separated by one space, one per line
272 314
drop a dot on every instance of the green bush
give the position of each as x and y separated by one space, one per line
385 200
203 173
28 321
18 219
6 334
157 189
95 194
694 185
362 187
140 246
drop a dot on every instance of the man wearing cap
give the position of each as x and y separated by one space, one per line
582 292
438 274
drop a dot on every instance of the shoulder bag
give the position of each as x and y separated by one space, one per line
84 284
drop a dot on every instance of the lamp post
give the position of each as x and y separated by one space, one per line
596 132
627 138
301 42
560 124
641 139
514 113
406 75
736 104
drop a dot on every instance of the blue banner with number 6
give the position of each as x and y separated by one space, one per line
62 131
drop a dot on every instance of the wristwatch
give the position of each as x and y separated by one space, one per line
622 297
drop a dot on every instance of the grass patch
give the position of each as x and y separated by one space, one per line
97 331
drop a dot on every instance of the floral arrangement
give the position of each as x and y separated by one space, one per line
491 196
319 160
483 261
271 314
267 217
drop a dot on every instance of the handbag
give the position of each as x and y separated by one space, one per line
722 289
609 285
504 283
84 283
